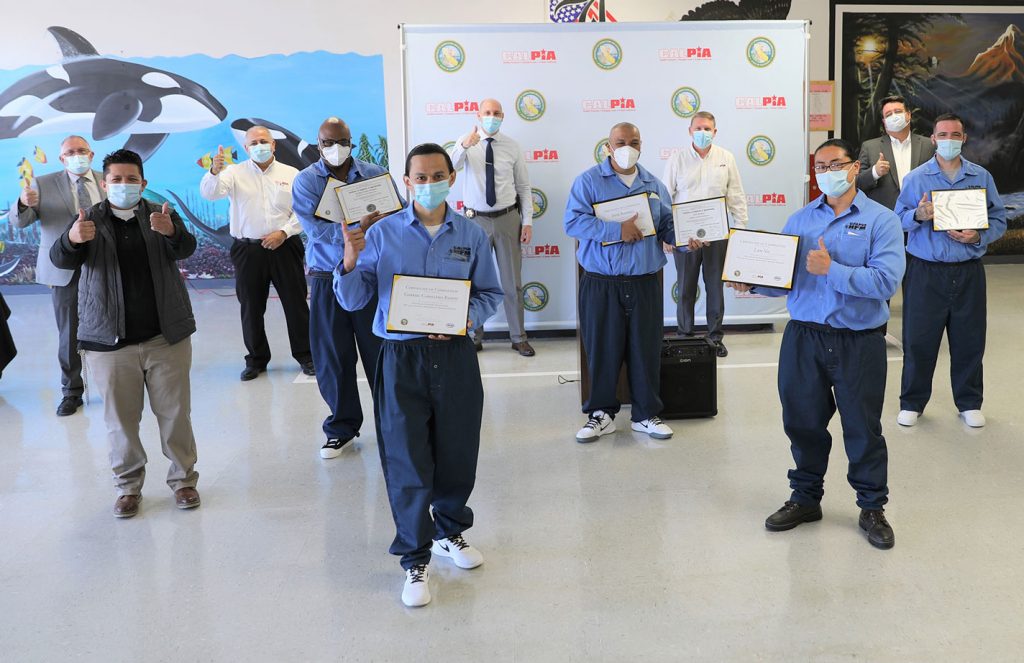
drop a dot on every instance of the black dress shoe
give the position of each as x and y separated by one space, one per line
252 372
880 533
69 405
479 345
524 348
720 349
792 514
307 368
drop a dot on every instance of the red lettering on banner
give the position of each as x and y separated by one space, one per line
688 53
542 155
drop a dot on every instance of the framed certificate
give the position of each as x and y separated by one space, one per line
756 257
428 305
706 219
329 208
960 209
618 210
374 194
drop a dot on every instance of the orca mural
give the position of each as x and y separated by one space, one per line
176 112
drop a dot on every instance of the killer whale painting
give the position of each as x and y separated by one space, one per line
174 111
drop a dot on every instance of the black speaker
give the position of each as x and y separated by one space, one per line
689 379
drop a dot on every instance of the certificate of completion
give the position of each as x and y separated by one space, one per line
428 305
960 209
329 209
374 194
756 257
704 219
618 210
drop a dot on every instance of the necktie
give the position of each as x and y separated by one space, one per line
84 199
492 197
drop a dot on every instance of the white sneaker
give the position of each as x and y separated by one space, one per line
416 592
597 425
907 417
654 427
464 555
973 418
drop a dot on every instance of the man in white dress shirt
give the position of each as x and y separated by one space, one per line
267 247
497 197
703 170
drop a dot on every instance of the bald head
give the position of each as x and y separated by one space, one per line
491 107
624 133
334 128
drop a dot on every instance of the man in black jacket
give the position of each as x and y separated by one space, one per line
135 320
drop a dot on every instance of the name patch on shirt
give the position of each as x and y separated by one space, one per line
853 225
460 253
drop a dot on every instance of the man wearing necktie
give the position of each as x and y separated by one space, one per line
54 200
498 198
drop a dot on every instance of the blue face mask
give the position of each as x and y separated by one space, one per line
431 195
491 124
124 196
260 152
702 138
948 149
78 163
833 183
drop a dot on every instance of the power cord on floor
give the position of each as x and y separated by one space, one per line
564 380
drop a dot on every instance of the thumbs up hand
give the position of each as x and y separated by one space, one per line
218 161
472 139
355 242
161 222
29 197
925 210
819 260
82 230
882 165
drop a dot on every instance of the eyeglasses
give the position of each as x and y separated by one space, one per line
327 142
837 165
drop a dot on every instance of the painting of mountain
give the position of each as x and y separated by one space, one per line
968 63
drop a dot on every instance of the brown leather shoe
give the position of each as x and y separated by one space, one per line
186 498
524 348
127 506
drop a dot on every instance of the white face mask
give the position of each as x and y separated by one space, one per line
896 122
626 156
336 154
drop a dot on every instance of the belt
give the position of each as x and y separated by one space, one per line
246 240
944 264
317 274
619 277
839 330
469 213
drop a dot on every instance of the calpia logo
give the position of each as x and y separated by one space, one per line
449 56
529 57
607 54
452 107
767 199
685 102
530 105
666 153
542 155
601 150
540 202
758 103
760 52
609 105
535 296
760 150
541 251
687 54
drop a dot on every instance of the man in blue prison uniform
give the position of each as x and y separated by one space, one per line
833 350
428 398
620 301
334 333
945 284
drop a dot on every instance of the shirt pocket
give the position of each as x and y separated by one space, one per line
853 249
455 267
282 197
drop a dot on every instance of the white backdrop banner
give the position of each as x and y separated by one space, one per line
564 86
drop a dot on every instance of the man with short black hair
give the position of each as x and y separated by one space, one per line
135 323
886 160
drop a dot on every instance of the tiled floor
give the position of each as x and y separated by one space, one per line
623 550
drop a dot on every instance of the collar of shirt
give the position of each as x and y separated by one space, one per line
641 173
87 176
896 142
255 167
355 171
855 206
409 214
932 167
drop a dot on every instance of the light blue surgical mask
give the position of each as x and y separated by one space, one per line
261 152
124 196
948 149
78 164
702 138
833 183
491 124
431 195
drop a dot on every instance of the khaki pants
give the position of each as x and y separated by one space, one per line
122 378
504 234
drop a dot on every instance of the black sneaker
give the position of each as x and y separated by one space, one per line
792 514
308 369
880 533
720 349
332 448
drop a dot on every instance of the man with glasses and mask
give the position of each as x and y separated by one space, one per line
267 247
886 160
833 350
334 333
945 285
54 200
620 299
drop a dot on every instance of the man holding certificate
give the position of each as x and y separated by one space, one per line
335 332
620 213
703 180
431 272
951 212
833 351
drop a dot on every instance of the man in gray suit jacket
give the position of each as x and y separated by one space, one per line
885 161
54 200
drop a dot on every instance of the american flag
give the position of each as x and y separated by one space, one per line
560 11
